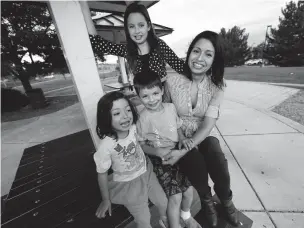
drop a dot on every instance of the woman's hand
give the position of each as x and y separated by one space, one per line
104 206
187 143
173 157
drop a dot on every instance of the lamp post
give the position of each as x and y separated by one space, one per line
300 4
268 26
251 49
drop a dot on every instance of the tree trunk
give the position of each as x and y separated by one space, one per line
31 57
26 83
23 78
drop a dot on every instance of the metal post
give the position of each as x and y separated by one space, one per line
268 26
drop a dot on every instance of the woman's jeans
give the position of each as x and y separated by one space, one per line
209 159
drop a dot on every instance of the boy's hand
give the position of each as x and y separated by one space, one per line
187 143
162 152
173 157
104 206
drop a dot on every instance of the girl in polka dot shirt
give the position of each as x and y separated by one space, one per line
144 50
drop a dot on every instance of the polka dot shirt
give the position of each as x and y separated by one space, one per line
157 59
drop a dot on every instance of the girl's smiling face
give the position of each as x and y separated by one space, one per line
122 116
138 28
201 57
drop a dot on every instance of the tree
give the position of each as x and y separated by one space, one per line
26 28
286 43
236 49
256 52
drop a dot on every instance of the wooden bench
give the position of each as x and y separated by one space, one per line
56 186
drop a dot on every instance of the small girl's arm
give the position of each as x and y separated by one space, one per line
105 204
102 158
103 185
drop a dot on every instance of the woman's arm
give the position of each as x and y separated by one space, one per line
100 46
167 96
171 58
211 116
203 131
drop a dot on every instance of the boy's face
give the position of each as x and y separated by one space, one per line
152 98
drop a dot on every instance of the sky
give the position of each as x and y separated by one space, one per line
190 17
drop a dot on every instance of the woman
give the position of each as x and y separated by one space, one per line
197 97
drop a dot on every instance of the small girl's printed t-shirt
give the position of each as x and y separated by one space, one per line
159 129
124 155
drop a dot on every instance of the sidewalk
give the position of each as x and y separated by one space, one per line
263 150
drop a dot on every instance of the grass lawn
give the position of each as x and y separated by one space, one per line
55 104
293 75
293 107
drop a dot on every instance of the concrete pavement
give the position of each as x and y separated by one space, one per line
264 150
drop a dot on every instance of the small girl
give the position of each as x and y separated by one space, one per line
144 50
133 181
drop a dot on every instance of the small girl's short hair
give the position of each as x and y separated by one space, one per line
104 118
146 79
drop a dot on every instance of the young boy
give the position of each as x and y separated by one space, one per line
160 127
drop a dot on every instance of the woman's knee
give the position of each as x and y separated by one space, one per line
210 141
211 147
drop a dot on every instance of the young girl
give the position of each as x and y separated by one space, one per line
133 180
144 50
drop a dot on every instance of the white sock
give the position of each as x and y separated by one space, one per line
185 214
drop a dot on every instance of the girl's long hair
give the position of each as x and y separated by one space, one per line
152 39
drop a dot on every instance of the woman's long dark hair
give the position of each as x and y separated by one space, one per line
217 69
104 118
132 49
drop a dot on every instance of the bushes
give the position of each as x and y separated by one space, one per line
12 100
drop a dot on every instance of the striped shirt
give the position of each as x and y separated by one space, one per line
209 98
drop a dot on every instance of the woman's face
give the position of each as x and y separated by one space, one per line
201 57
138 28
